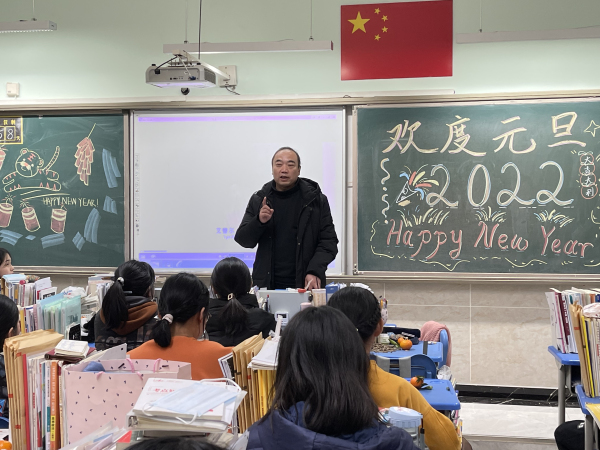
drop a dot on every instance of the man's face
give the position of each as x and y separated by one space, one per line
285 170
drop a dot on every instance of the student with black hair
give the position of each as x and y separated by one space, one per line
9 326
363 310
234 313
175 443
6 266
183 312
128 308
321 392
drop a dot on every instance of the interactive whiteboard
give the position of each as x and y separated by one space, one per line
195 172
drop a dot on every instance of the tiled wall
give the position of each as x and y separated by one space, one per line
500 332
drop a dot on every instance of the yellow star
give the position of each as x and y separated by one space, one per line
384 18
592 128
359 23
377 37
384 29
377 10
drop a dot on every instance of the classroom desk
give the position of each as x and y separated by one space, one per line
442 397
564 361
589 420
434 351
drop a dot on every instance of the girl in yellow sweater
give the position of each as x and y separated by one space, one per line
362 308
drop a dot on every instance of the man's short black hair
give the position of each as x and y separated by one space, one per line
286 148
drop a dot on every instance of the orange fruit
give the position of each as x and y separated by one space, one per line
417 381
5 445
405 344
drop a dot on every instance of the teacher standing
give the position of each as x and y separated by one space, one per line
290 220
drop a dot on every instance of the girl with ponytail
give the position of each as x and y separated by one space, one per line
128 308
363 310
234 313
183 313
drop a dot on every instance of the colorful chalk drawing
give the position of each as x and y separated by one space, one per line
111 170
84 157
415 184
31 175
555 217
78 240
110 205
91 226
52 240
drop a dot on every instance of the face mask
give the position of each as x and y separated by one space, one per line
195 400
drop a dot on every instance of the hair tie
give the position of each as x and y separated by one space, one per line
121 280
168 318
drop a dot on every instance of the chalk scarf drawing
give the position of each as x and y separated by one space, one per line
415 184
31 175
84 157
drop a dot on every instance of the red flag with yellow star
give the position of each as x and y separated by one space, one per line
397 40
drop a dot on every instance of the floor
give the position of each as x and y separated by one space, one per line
512 427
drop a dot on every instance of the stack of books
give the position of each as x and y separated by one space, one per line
37 389
560 320
586 333
210 415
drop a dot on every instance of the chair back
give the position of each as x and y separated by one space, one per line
444 341
422 365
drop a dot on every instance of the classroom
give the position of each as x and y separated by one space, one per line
459 176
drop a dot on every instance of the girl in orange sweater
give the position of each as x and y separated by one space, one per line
387 389
183 310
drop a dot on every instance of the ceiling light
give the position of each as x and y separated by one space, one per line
252 47
23 26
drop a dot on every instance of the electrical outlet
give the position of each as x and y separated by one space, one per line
12 89
232 72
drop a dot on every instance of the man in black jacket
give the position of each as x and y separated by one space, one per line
290 220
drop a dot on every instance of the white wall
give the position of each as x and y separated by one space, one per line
102 48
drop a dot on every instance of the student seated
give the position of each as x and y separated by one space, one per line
128 309
9 326
182 307
321 392
363 309
6 266
175 443
234 314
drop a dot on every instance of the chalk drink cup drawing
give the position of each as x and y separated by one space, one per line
30 217
59 218
6 210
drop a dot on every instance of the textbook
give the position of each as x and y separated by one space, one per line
72 348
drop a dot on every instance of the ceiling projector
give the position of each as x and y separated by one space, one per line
187 76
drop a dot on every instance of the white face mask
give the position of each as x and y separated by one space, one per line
195 400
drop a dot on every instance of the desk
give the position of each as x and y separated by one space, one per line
589 420
442 397
564 361
434 351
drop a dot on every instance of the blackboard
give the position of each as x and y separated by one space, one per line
482 188
62 198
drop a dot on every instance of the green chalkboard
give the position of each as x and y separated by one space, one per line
62 197
482 188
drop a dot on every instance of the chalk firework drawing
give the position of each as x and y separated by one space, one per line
6 210
414 185
29 217
58 219
84 157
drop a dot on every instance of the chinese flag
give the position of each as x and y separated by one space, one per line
397 40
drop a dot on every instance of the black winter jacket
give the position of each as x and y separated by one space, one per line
259 321
317 240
